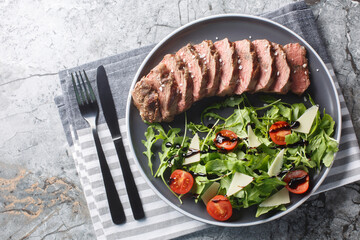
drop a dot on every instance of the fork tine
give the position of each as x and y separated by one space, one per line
86 88
76 90
81 89
92 94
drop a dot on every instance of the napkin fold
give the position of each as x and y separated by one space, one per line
161 220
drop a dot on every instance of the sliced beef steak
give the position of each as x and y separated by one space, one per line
228 66
210 58
183 80
169 95
198 71
146 99
265 56
282 80
248 66
296 56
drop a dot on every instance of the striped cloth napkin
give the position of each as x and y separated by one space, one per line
162 221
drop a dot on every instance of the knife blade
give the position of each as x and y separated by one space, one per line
109 110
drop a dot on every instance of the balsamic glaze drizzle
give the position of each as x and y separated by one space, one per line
221 138
295 182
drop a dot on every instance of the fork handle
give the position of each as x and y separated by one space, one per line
116 208
134 198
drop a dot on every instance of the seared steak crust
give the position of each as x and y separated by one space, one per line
198 71
228 66
265 56
167 89
210 58
248 66
183 80
296 56
282 80
146 99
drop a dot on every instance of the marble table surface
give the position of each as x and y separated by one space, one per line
40 193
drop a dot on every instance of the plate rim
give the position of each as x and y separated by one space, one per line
129 102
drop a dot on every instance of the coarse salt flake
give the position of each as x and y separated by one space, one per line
240 67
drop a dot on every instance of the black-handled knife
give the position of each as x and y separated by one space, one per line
108 106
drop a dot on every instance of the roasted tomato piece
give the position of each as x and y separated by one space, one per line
226 140
181 181
297 181
278 131
219 207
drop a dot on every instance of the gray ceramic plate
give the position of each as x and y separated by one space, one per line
234 27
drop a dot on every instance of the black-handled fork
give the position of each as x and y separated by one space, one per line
89 110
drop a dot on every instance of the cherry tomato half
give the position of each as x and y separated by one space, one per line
278 131
226 140
219 207
297 181
181 181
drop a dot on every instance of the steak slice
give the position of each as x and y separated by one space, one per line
169 95
210 58
249 68
228 66
265 56
296 56
183 80
282 80
146 99
198 71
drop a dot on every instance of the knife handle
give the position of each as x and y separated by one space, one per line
115 206
135 201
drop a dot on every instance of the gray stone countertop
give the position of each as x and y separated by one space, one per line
40 193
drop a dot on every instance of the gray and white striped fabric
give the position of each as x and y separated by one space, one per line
162 221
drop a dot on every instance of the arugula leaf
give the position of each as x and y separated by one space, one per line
201 182
297 110
292 138
229 102
286 112
327 124
216 166
151 139
197 128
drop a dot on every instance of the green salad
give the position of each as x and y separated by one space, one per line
256 156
